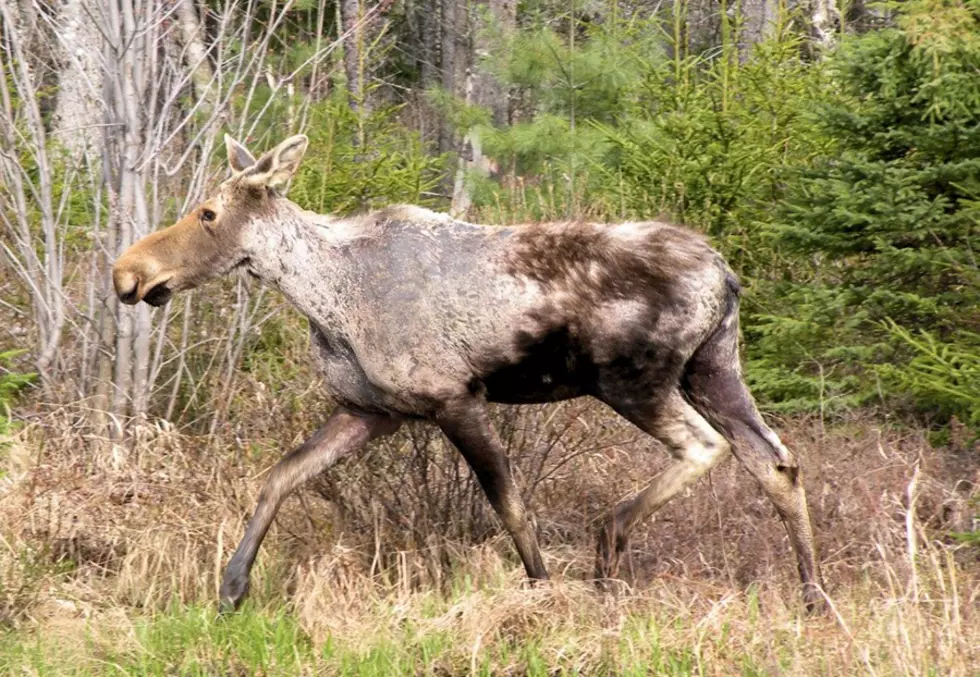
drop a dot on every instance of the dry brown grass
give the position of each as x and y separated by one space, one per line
396 553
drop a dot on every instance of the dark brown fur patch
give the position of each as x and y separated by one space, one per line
591 258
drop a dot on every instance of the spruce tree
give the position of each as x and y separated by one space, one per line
885 230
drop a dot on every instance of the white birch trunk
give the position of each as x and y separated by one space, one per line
150 148
40 266
79 111
195 54
825 23
133 38
470 159
482 89
759 21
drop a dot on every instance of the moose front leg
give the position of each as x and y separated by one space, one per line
344 432
467 425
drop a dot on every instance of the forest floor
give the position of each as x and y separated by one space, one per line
110 559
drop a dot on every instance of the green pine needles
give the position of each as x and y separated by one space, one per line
12 381
884 231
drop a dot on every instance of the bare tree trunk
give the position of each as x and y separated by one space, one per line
488 90
195 54
145 64
351 12
106 318
470 159
133 43
315 89
79 109
482 89
447 64
825 23
120 207
861 16
429 29
24 16
28 201
759 21
761 18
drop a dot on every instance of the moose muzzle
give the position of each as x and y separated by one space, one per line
137 278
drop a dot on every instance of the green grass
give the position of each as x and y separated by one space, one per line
185 640
564 629
193 640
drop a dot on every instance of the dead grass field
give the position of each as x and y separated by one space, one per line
110 558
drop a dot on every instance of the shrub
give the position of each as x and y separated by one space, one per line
11 383
882 233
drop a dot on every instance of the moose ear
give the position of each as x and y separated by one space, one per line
277 167
239 159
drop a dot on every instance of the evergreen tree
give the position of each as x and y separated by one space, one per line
885 230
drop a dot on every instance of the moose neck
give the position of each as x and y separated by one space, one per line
296 254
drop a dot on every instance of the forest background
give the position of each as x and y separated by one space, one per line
831 151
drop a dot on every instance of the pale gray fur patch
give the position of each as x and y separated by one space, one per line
415 213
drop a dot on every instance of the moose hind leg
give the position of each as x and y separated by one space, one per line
695 445
467 425
715 386
343 433
782 482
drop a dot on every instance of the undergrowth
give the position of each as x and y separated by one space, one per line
110 560
563 628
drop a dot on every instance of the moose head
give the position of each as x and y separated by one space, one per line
218 235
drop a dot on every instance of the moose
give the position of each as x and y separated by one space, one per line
414 315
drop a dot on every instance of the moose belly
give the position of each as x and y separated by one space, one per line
548 370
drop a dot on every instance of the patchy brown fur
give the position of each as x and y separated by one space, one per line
588 256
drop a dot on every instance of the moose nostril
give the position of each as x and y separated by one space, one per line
127 286
130 297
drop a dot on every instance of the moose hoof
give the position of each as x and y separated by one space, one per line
814 601
607 576
606 570
534 582
233 591
608 550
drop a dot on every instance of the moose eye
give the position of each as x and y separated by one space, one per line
208 216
